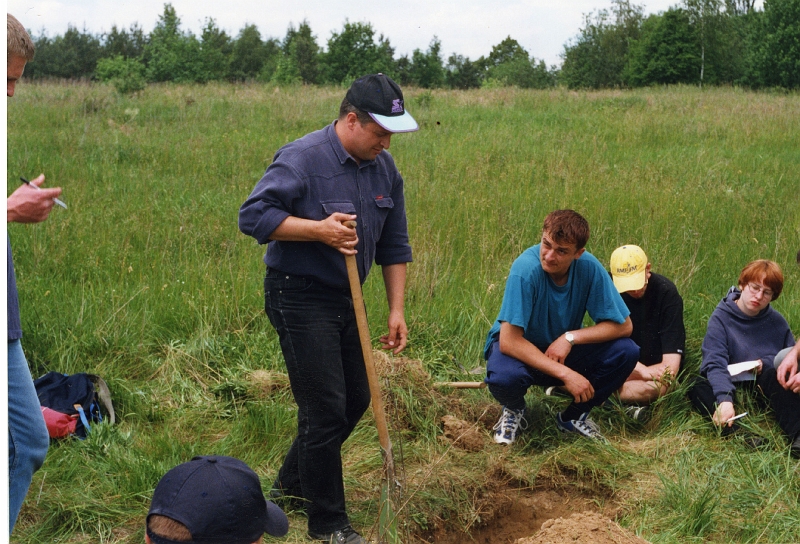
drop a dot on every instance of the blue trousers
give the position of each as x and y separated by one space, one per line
27 434
606 366
319 339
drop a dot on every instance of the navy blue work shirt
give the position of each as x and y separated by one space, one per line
313 177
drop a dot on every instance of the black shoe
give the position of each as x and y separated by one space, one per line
287 501
794 449
347 535
749 438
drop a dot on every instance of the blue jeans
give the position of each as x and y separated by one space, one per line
319 339
27 434
606 366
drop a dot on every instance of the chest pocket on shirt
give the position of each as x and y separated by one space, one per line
385 203
342 206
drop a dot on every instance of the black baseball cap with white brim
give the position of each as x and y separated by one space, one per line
382 99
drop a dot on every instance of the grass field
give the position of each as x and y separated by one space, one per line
146 281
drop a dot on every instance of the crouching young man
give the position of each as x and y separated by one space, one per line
537 338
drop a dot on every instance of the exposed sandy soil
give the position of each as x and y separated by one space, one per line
551 513
521 513
462 434
582 528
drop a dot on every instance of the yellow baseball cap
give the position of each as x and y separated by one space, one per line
628 268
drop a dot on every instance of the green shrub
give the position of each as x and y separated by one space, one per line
126 75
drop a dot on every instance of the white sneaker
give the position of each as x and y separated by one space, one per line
505 431
582 426
639 413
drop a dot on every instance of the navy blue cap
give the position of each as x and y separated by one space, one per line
219 500
382 99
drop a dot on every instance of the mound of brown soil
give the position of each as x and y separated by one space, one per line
582 528
463 435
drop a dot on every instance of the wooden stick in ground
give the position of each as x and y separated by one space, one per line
461 385
369 363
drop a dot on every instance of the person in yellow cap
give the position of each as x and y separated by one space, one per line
657 314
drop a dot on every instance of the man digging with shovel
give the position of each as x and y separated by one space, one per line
338 174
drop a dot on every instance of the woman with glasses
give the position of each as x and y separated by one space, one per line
745 328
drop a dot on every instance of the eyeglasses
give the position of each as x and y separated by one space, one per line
756 288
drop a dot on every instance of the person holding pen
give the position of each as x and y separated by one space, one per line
27 434
744 327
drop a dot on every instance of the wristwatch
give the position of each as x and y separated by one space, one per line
570 338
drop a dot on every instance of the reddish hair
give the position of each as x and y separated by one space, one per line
762 268
567 227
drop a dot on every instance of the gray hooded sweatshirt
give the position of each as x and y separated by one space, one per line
735 337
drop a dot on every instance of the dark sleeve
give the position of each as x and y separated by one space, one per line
271 201
393 246
671 328
716 359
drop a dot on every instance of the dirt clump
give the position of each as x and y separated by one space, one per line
263 382
508 514
582 528
462 435
410 371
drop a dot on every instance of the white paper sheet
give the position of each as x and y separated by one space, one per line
737 368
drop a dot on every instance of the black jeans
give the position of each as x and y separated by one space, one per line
317 328
785 404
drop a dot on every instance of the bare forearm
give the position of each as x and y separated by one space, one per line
514 344
296 229
603 332
394 279
331 231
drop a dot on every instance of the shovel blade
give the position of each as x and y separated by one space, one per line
388 532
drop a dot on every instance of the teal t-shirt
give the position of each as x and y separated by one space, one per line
545 310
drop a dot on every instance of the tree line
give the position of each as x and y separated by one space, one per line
699 42
703 42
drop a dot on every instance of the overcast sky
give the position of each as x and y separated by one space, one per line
466 27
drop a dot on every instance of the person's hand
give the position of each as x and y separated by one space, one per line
397 338
559 349
30 205
788 376
793 384
641 372
665 377
579 387
333 232
725 411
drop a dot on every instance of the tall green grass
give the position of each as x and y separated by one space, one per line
147 281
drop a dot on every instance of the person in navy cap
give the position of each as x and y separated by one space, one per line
212 500
314 185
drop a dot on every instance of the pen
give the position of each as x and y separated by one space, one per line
28 183
737 417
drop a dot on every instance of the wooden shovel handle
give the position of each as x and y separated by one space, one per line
461 385
369 363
